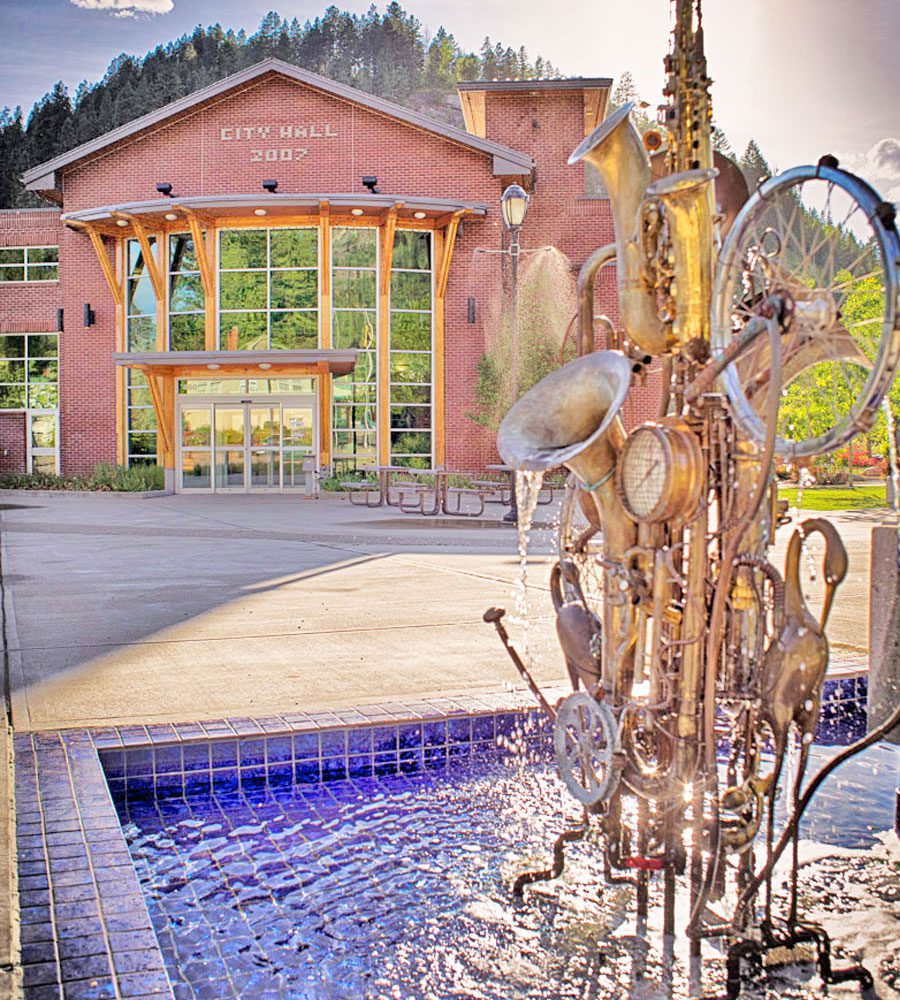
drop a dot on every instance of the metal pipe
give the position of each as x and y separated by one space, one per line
585 286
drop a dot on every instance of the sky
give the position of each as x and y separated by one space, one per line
802 77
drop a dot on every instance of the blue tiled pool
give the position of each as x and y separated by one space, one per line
393 884
348 853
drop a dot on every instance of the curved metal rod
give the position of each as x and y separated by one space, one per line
716 618
585 286
793 823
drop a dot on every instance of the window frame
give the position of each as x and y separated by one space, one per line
25 280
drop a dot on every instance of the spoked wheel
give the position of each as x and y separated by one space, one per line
586 740
823 238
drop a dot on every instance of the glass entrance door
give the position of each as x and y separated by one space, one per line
231 440
265 447
245 446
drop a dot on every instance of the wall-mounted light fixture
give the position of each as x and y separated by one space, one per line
122 223
260 211
165 189
171 216
370 181
418 215
356 211
87 315
270 185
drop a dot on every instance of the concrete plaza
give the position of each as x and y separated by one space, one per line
185 608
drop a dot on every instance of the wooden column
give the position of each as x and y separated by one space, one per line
324 415
444 243
121 373
384 336
211 330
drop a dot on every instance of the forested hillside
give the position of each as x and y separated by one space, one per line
385 54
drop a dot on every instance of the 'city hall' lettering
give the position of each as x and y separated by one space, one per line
253 133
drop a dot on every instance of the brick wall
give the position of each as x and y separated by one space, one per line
13 453
190 153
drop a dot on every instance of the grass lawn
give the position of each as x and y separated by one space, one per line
861 497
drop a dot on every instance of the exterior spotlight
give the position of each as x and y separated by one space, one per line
371 182
171 216
514 206
271 186
165 189
122 223
260 211
356 211
418 215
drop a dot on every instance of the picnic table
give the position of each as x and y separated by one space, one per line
419 491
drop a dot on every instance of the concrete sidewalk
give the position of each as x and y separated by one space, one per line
185 608
190 608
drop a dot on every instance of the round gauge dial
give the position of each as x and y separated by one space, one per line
659 474
643 477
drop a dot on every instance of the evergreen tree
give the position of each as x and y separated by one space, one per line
385 54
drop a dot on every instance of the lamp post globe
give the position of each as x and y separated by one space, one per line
514 206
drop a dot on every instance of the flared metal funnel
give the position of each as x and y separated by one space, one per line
565 413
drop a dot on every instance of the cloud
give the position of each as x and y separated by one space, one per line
127 8
894 194
884 159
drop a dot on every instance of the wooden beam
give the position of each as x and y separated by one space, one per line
121 373
438 432
324 275
156 279
389 227
443 272
211 332
383 352
159 407
324 421
109 274
472 103
193 221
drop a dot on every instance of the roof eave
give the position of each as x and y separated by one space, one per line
250 74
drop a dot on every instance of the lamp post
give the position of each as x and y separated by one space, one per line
513 208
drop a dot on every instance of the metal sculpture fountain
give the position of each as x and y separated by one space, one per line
691 658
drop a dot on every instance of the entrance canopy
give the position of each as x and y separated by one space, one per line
162 369
247 364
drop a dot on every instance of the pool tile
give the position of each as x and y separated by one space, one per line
95 988
359 741
279 749
306 771
195 756
252 752
434 733
334 768
359 766
306 745
224 753
482 728
333 743
385 739
40 974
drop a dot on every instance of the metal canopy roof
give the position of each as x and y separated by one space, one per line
373 203
219 362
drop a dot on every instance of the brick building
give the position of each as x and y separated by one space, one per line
276 274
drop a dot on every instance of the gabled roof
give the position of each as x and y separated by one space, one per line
506 161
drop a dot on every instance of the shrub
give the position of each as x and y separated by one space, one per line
104 478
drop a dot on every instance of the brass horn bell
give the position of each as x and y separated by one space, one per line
558 420
571 418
